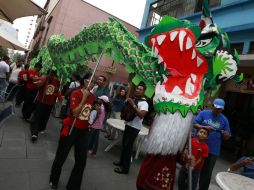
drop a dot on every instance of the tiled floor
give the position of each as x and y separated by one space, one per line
26 166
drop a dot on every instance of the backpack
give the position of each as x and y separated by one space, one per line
128 113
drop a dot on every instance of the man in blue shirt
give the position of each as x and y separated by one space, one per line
248 166
101 88
218 126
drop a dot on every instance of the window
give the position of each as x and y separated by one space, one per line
238 47
212 3
175 8
251 51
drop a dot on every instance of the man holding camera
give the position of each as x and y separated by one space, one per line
132 129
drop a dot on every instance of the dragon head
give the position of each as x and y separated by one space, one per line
190 61
183 67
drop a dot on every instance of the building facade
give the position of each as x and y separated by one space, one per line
236 18
68 17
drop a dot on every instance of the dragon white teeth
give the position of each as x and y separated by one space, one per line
188 43
164 78
161 38
189 88
193 54
181 38
193 77
177 90
153 40
173 35
155 52
158 85
160 59
165 66
199 61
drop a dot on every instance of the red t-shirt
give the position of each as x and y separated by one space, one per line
75 99
22 77
199 150
32 74
49 90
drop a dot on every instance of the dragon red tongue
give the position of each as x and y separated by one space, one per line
176 50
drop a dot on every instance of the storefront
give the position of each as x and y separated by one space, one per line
239 110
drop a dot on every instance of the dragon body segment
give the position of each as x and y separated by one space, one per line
114 40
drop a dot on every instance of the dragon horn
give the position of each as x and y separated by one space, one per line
206 16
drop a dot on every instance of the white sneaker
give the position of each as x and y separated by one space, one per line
34 138
42 132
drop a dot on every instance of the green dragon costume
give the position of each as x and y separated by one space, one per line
182 63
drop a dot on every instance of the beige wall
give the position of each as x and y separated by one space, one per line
69 16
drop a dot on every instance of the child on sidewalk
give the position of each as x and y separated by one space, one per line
96 123
199 153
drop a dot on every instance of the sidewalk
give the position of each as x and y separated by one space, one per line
26 166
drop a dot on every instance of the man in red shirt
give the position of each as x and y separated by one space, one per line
48 91
22 80
199 154
31 90
81 102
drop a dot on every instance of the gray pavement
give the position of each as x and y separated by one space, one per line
26 166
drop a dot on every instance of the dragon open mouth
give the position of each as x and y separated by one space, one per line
177 54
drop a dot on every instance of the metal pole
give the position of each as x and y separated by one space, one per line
190 168
190 153
97 64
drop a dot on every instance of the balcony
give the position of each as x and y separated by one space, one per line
175 8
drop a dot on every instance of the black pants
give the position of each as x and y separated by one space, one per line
29 105
183 179
20 95
40 117
206 172
78 138
9 87
129 136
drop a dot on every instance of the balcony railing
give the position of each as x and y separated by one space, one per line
175 8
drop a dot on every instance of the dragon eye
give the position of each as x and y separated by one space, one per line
202 43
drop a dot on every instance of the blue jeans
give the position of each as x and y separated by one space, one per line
94 140
183 179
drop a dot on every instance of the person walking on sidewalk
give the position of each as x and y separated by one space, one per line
13 80
80 107
48 91
132 128
22 80
218 125
31 90
4 75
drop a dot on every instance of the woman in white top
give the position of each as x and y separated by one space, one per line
13 80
